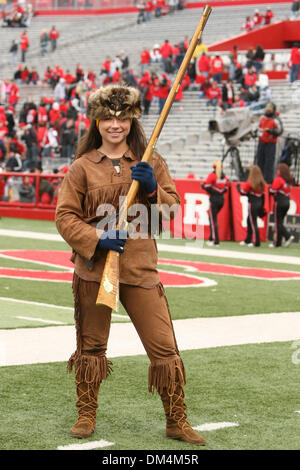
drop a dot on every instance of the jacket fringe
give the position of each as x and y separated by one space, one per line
89 369
166 374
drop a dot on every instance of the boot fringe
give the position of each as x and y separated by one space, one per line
89 369
165 374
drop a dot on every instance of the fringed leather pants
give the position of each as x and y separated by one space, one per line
149 312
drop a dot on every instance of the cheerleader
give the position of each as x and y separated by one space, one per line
254 189
280 190
216 185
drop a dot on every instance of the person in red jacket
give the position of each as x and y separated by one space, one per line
250 77
24 44
254 189
268 16
164 86
53 36
203 64
217 67
216 184
270 127
213 95
145 59
165 50
280 190
294 63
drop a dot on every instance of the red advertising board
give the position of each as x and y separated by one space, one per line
192 220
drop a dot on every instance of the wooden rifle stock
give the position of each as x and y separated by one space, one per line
109 287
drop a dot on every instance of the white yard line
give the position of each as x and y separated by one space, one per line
228 254
87 445
42 320
57 343
214 426
186 249
41 304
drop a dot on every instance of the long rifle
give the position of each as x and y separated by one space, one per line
109 287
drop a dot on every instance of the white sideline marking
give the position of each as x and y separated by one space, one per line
87 445
41 304
170 248
297 411
42 320
213 426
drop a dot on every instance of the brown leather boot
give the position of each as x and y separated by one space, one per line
177 425
87 408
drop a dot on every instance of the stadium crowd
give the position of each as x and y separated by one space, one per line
36 131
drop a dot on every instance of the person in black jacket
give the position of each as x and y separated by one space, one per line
67 138
30 138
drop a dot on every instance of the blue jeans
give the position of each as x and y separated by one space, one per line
294 73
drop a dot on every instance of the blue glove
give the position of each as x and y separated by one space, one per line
143 173
113 240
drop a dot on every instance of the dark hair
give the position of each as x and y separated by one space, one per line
284 172
92 139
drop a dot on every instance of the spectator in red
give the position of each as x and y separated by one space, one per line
12 142
13 96
248 25
42 113
250 78
3 127
186 81
204 87
268 16
165 50
54 114
24 74
91 76
257 18
145 59
164 86
149 8
238 102
217 67
203 64
116 76
33 76
213 94
24 44
79 73
105 66
63 107
294 63
69 77
53 36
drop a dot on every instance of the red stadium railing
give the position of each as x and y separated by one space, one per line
26 194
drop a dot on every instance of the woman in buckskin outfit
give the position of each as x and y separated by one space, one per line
107 160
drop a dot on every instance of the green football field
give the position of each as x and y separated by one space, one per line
242 393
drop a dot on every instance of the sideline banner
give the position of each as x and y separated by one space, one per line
192 221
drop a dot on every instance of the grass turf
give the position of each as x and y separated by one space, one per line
255 386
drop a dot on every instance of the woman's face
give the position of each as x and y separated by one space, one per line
114 131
